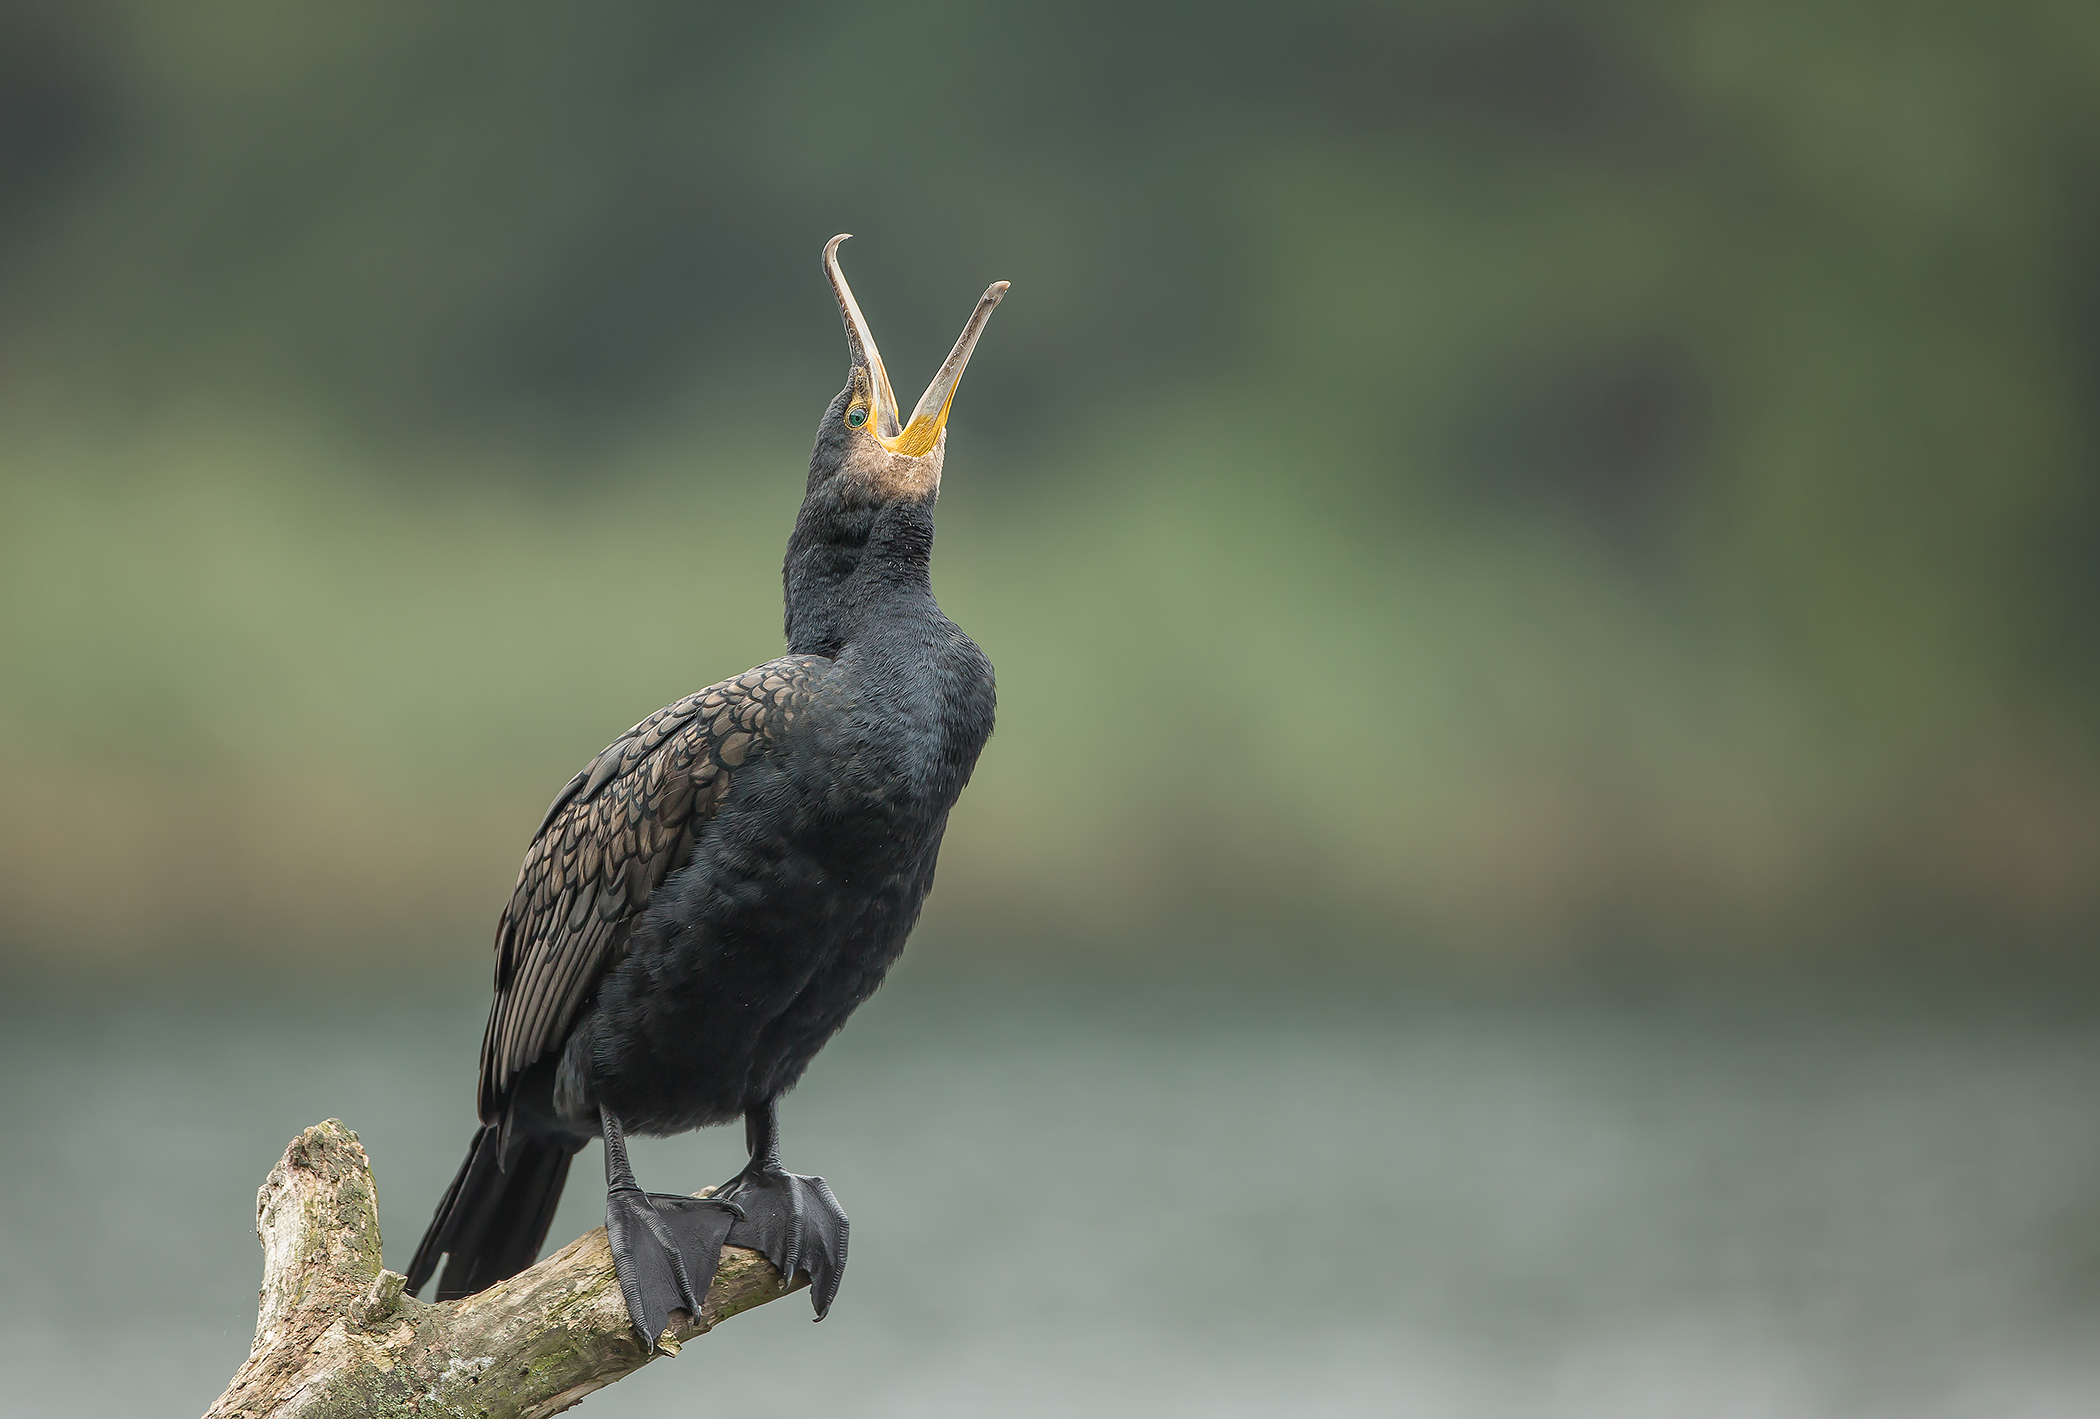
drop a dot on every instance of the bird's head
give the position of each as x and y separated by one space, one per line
864 536
868 444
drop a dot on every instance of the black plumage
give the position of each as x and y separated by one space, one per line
707 901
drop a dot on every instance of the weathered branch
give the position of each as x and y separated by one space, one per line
335 1336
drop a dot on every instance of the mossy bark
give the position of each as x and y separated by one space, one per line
334 1336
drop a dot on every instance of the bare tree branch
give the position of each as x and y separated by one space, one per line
335 1336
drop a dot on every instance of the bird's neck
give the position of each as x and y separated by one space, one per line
853 580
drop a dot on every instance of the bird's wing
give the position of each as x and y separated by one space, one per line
610 838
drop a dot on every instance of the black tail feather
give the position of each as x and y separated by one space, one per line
493 1219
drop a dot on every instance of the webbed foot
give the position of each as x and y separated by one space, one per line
664 1247
792 1221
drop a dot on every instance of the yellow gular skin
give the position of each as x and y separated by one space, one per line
920 435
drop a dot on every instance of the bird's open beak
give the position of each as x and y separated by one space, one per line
916 436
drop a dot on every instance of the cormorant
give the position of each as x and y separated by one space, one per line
708 900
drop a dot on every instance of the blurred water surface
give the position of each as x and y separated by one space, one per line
1173 1193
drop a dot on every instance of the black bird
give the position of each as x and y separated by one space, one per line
708 900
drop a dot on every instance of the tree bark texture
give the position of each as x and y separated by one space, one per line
335 1336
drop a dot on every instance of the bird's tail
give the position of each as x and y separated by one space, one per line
493 1218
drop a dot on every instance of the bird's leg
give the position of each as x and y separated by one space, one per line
793 1221
664 1246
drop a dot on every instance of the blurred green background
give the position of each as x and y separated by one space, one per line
1542 851
1511 482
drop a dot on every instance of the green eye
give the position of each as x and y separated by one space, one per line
855 417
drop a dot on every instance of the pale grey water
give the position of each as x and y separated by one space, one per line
1089 1192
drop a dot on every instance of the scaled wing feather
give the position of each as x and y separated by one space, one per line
609 840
